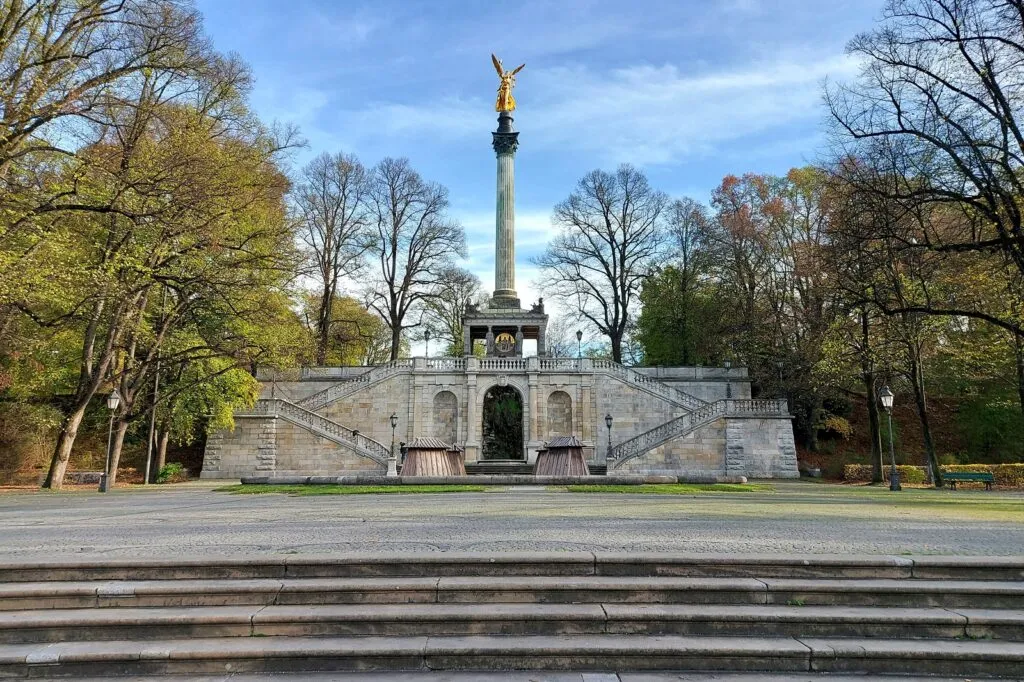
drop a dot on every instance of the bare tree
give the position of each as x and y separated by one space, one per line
444 311
938 111
59 59
611 235
414 242
332 199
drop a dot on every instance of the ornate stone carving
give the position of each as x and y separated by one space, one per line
505 143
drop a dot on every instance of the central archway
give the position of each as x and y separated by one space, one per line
503 423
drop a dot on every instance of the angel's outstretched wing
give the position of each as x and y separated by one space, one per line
497 65
518 69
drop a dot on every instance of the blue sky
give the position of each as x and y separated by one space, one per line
689 90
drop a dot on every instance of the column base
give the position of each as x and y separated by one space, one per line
505 298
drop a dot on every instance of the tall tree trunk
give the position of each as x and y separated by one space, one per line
616 347
917 379
874 424
1018 347
62 451
120 429
813 412
161 452
323 326
396 341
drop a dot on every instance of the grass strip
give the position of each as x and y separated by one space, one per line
674 488
304 490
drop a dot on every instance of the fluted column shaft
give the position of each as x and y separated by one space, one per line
505 228
505 141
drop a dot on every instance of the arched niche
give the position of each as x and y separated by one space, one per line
446 417
559 414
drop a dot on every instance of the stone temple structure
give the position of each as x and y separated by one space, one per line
501 408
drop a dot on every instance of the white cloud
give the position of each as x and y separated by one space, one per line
641 114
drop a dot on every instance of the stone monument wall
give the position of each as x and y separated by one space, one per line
699 452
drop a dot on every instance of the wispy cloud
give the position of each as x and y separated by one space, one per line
642 114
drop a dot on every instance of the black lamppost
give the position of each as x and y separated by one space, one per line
426 337
886 396
608 423
392 461
579 344
394 424
113 400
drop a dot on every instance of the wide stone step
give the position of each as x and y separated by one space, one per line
514 590
65 625
585 652
517 564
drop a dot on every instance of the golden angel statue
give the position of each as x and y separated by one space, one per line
506 102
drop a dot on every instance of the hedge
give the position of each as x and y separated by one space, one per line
1005 475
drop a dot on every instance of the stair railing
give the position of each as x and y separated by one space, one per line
320 425
651 384
321 399
689 422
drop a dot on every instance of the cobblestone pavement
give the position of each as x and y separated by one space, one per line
798 518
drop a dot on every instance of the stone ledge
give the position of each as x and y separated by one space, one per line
498 480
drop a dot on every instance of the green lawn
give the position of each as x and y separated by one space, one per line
349 489
663 489
674 488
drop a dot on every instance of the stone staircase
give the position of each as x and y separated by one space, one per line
813 615
343 389
643 382
499 467
691 421
321 426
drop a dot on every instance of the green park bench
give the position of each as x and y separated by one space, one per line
953 478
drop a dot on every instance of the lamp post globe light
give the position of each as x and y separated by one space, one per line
887 396
579 344
426 337
392 461
113 401
608 423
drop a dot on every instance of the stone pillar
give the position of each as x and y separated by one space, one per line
472 445
533 431
266 446
735 450
505 141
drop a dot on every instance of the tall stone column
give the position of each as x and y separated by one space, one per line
505 141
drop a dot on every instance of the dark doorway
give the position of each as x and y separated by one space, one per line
503 423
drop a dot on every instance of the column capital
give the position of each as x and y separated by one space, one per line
505 143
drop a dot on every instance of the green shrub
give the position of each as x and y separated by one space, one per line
172 473
861 473
1004 475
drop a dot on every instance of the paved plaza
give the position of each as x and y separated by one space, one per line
195 520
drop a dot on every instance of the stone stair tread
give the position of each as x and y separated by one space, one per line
628 645
527 676
497 612
894 585
778 613
442 563
969 649
504 583
279 613
241 647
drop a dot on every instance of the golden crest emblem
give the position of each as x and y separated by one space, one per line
504 343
